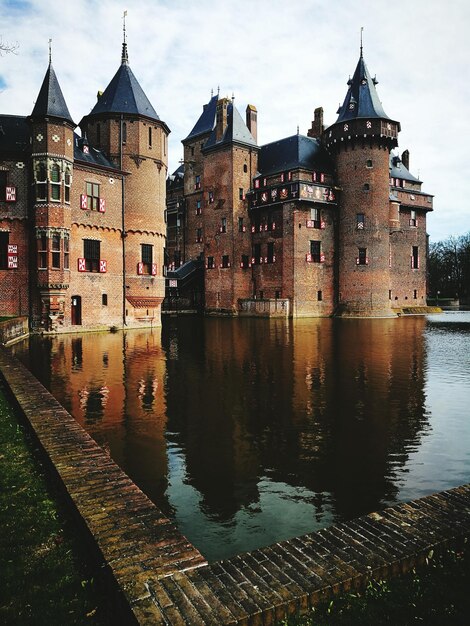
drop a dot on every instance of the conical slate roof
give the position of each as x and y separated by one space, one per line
361 99
50 101
206 121
124 94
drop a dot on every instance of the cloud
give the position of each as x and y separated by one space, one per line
286 58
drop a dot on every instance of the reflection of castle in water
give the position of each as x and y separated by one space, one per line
331 406
334 407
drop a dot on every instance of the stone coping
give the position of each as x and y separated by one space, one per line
166 580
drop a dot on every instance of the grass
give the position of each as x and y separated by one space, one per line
46 575
435 594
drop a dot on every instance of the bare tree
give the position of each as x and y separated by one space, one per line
6 48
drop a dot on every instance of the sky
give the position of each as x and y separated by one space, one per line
286 58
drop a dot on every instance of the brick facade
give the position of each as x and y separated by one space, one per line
88 217
332 223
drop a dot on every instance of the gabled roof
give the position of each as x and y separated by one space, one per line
291 153
92 157
398 170
15 133
50 101
361 99
206 122
124 95
235 132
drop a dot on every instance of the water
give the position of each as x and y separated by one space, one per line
251 431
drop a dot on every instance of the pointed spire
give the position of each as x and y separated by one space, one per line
50 101
124 56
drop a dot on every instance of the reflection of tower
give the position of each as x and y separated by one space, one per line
52 162
361 140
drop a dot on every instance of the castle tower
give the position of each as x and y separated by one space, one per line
125 126
52 164
360 141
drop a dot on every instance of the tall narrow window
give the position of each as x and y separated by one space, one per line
315 251
362 257
55 248
150 137
415 258
319 295
413 220
91 254
271 258
198 207
66 253
4 241
55 182
147 257
241 195
210 262
42 252
198 235
315 217
197 184
41 182
124 132
241 226
223 225
67 181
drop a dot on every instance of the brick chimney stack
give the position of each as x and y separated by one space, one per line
405 159
252 121
317 124
221 120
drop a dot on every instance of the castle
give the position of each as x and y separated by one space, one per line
331 223
82 232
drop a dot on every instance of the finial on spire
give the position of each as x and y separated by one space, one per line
298 130
362 28
218 90
124 57
50 51
212 93
233 97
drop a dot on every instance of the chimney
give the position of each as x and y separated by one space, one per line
252 121
317 124
221 120
405 159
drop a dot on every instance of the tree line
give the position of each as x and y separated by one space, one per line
449 268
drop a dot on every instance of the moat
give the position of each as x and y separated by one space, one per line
251 431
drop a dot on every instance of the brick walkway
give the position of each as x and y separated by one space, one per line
166 580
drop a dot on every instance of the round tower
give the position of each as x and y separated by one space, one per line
52 165
124 125
360 141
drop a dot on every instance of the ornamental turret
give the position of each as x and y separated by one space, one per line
52 165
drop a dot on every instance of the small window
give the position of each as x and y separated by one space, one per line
225 261
104 299
91 254
197 184
198 207
55 247
413 220
366 187
415 294
67 182
241 195
245 168
415 257
147 257
150 137
315 217
241 226
198 235
192 150
124 132
55 182
271 258
362 257
223 225
360 221
245 263
319 295
389 294
211 197
42 252
369 163
315 251
277 294
210 262
93 196
4 241
66 245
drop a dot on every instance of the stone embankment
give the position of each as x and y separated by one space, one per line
165 580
